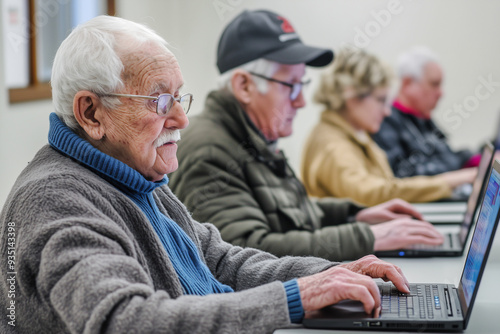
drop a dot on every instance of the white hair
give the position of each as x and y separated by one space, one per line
261 66
411 64
90 58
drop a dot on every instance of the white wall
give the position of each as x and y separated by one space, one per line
464 34
23 130
461 32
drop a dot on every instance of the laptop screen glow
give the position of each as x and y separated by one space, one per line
481 239
482 169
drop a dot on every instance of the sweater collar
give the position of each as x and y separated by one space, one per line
69 143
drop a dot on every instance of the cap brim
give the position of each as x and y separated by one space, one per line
298 53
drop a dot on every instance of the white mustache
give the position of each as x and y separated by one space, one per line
167 136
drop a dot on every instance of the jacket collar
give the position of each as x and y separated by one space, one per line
407 110
335 119
224 107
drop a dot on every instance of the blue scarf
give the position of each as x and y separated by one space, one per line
194 275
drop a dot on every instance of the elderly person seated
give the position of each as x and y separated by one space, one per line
412 141
232 174
97 242
340 159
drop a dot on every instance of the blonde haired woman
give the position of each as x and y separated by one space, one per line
341 159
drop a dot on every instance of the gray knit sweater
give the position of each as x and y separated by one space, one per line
86 260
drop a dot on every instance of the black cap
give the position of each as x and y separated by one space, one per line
264 34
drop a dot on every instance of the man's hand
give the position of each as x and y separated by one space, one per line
350 281
403 232
393 209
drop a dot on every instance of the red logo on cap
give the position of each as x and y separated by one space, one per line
286 26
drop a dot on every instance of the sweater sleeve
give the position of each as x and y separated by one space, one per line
215 190
81 268
295 309
343 172
246 268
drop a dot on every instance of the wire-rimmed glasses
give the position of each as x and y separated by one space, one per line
163 101
295 87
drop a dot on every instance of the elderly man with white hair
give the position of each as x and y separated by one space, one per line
94 241
413 143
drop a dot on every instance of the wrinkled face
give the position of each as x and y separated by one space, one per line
134 133
426 92
367 113
273 112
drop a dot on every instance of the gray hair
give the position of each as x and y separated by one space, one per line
261 66
411 64
90 58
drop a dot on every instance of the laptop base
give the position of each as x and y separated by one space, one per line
451 247
435 307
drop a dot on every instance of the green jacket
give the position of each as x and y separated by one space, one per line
229 177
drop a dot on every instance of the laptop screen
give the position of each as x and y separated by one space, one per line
481 241
477 189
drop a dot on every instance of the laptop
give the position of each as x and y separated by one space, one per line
454 242
429 307
445 212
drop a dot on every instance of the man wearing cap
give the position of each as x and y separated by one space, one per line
232 174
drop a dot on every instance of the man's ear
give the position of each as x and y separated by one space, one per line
88 112
243 86
406 81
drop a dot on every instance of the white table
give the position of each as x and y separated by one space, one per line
485 317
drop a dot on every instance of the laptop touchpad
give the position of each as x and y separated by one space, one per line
346 309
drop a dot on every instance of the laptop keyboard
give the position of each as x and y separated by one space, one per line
422 302
447 244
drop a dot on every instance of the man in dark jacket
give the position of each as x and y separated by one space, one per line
412 141
232 174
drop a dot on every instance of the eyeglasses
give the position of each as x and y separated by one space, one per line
296 87
380 99
163 101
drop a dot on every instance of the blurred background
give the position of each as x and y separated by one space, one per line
462 33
